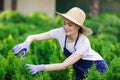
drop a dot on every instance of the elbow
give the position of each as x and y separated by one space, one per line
64 66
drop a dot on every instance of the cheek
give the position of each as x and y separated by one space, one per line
74 29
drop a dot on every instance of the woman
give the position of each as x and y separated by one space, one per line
73 42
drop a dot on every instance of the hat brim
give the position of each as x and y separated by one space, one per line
85 29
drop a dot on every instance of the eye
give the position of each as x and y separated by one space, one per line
70 24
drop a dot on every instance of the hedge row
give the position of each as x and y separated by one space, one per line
15 27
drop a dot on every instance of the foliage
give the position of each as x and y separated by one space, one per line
93 74
11 16
105 24
14 28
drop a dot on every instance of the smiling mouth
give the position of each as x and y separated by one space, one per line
66 31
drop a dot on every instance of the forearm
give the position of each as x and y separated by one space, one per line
30 38
61 66
55 67
37 37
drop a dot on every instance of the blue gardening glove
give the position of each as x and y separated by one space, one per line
22 47
34 69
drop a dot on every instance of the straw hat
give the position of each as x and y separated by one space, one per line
77 16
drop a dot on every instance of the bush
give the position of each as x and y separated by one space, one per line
14 28
113 73
11 16
93 74
39 19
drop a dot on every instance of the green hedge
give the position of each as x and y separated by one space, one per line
15 27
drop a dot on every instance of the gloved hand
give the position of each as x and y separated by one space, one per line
22 46
34 69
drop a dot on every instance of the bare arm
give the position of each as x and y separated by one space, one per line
37 37
61 66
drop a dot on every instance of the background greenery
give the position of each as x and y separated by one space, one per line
15 27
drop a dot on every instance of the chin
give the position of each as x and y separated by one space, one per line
67 34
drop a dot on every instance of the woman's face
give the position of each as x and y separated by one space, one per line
70 28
